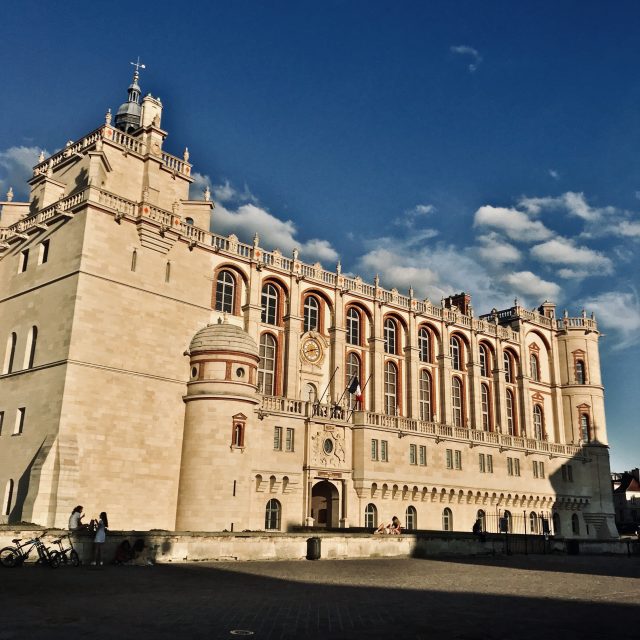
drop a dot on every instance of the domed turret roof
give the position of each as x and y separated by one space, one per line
223 337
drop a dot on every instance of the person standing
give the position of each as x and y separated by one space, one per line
100 537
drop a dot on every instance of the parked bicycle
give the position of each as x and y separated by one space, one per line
67 555
17 556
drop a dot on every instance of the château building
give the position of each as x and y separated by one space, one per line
179 379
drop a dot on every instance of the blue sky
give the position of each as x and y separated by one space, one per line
490 147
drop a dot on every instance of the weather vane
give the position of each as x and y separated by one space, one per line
138 65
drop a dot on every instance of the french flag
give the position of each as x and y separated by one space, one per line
354 389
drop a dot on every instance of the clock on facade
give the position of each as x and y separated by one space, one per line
312 350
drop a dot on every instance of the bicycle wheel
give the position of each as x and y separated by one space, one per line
74 558
54 559
8 557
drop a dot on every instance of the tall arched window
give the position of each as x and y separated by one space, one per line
456 353
353 326
485 402
390 336
8 498
481 517
535 367
267 365
585 431
533 522
390 389
411 518
10 353
509 520
538 422
456 401
557 527
225 291
447 519
371 516
272 516
575 524
30 351
424 345
311 313
508 367
511 414
353 371
269 304
484 361
580 376
426 411
238 435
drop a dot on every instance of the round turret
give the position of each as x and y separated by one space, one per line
223 337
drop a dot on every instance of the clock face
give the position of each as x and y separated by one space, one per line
312 350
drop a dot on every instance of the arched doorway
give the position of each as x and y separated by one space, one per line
325 502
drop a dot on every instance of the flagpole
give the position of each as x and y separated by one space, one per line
328 385
361 394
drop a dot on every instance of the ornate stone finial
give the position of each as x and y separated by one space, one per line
10 194
411 292
219 320
339 268
69 143
156 121
256 239
41 156
376 280
107 117
296 253
515 302
593 315
584 313
50 168
565 314
145 194
175 206
185 155
207 194
225 318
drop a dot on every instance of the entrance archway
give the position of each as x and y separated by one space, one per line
325 504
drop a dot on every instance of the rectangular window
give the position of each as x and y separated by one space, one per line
24 260
516 466
289 441
384 450
489 463
509 466
1 421
413 457
277 438
535 468
423 455
449 458
569 473
458 459
541 469
481 463
43 254
374 449
19 427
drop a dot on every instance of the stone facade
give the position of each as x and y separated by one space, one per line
180 379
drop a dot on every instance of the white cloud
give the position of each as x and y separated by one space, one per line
224 192
498 250
573 203
564 251
16 167
465 50
529 284
410 216
619 312
516 224
627 229
554 174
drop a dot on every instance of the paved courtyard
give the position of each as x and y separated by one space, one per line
517 597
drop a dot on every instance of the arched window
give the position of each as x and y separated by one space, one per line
484 361
267 365
411 518
10 353
272 516
481 517
533 522
538 422
134 259
238 434
575 525
353 326
511 414
269 304
535 367
371 516
225 292
30 351
508 367
311 313
426 412
390 336
557 527
390 389
456 401
456 353
310 392
8 498
585 431
424 345
188 221
353 371
447 519
509 521
580 376
485 402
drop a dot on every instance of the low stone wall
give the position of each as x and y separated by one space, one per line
179 546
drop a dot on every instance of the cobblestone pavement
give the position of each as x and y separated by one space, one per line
517 597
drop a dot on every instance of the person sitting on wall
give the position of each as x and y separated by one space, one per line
392 527
75 520
477 530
